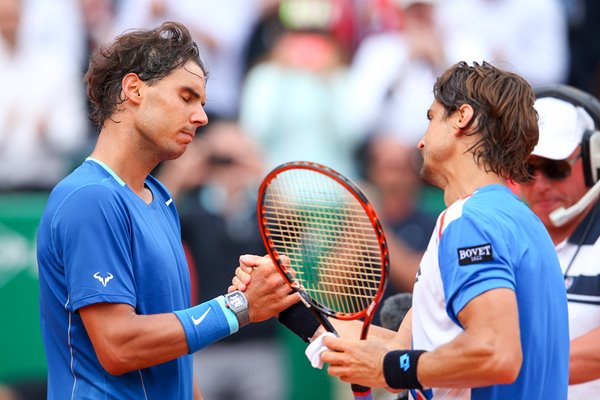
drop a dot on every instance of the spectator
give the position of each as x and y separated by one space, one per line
563 175
527 37
42 109
292 103
392 72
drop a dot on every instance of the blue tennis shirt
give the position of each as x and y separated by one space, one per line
98 242
486 241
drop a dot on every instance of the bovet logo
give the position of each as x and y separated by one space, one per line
475 254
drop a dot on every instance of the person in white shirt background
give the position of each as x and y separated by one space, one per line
565 163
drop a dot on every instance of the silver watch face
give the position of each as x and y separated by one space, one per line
236 301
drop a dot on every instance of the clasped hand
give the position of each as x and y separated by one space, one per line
267 292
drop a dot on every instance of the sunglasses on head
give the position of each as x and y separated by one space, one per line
552 169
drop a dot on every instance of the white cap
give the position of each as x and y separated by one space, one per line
561 125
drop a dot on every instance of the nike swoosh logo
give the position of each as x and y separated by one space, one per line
199 320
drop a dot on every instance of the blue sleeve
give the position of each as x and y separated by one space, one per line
92 232
474 258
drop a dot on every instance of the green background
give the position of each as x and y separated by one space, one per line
21 351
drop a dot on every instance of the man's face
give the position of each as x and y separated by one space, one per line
436 146
545 194
171 110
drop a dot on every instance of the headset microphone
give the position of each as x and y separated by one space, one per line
590 147
561 216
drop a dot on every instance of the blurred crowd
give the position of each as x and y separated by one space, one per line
345 83
305 79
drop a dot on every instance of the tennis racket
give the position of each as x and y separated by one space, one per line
335 244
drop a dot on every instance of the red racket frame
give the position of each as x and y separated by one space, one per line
352 188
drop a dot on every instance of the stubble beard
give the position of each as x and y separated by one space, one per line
428 175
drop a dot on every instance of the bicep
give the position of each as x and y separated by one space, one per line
487 352
126 341
493 316
491 328
105 323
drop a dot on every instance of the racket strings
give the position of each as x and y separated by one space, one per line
327 235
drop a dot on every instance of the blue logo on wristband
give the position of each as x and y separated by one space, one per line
404 362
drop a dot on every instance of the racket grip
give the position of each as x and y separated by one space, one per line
362 392
325 322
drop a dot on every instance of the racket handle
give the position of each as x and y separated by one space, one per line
362 392
325 322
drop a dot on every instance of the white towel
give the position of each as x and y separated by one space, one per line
314 350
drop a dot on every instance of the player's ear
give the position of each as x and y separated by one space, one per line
463 117
131 87
465 114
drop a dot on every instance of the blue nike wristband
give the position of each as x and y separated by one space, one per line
207 323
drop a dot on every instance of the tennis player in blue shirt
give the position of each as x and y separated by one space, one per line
489 317
116 317
489 313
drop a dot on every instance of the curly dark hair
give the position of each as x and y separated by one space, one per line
504 116
151 54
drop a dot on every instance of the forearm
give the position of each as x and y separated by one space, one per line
125 341
138 341
154 339
584 363
468 362
394 339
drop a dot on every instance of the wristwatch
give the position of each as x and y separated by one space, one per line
236 301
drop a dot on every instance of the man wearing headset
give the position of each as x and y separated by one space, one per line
565 164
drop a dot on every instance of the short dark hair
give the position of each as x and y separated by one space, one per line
504 115
151 54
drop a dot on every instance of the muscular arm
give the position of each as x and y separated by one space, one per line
488 352
584 364
129 341
125 341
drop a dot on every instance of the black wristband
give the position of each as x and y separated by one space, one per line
400 369
300 320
